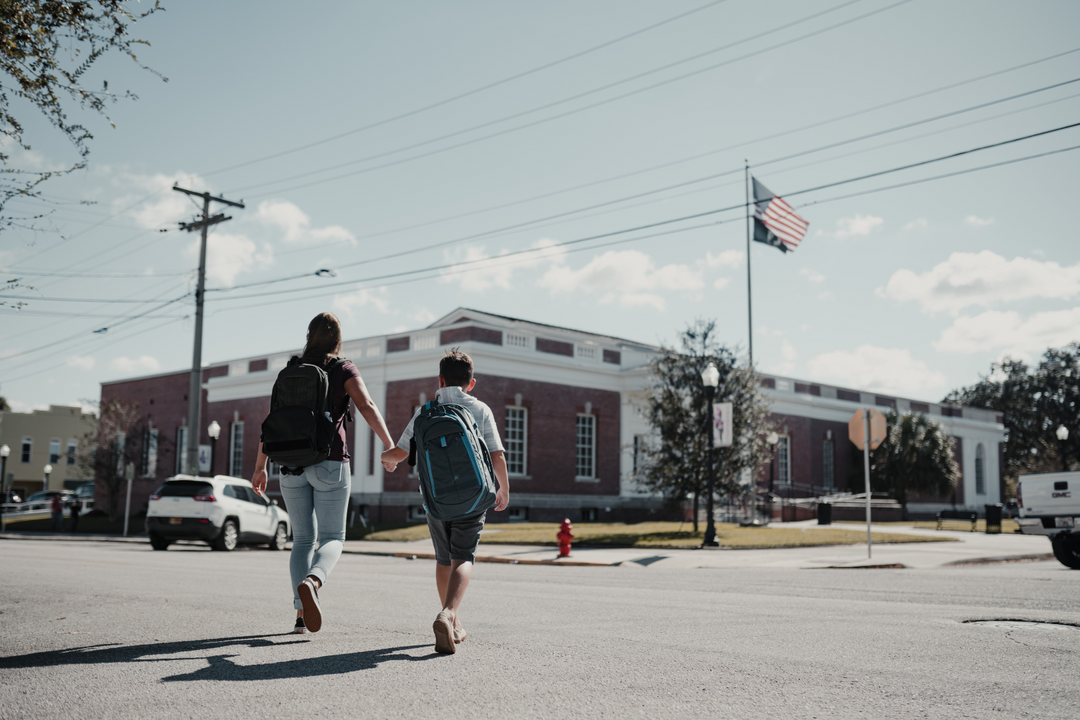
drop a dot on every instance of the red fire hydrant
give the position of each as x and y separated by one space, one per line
565 536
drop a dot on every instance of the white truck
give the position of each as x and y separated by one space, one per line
1049 505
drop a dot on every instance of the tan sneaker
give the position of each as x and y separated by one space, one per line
444 634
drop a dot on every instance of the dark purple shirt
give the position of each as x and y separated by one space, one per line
339 448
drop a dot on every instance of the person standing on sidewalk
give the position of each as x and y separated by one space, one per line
57 513
317 496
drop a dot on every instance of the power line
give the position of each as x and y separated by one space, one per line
743 144
563 101
738 206
468 93
447 243
110 341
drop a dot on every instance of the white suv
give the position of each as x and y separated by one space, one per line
223 511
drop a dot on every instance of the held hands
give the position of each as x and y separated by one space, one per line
390 466
502 498
258 481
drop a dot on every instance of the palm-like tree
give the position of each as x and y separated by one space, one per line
916 456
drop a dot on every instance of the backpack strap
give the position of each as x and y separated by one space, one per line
412 452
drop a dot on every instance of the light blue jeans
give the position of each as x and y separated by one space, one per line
317 502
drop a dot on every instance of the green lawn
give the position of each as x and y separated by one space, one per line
1007 525
663 534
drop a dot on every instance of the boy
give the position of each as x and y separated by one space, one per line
456 541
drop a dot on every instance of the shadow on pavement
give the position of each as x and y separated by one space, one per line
222 668
119 653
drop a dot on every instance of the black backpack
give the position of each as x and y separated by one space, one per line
452 460
300 428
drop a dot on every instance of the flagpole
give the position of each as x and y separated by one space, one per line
749 295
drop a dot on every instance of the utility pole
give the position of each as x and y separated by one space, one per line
195 386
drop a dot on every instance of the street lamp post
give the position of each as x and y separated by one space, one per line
214 431
48 472
772 438
1062 436
4 452
710 379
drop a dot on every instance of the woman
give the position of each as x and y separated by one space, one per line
319 496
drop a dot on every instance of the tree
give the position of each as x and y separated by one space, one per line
122 441
1057 385
46 49
676 464
915 457
1033 404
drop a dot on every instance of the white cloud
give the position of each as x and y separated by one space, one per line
229 255
812 275
629 277
887 370
726 259
423 316
475 270
975 221
983 278
721 283
24 407
790 355
993 330
374 297
858 225
141 364
166 207
296 224
82 362
917 224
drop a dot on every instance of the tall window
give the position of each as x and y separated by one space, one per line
828 478
181 450
639 454
783 460
121 448
371 452
586 446
72 451
236 450
149 453
54 451
517 419
980 470
27 449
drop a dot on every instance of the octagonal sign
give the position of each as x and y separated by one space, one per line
878 428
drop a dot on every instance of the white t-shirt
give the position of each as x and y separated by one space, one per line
485 420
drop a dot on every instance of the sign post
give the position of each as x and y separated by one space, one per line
866 429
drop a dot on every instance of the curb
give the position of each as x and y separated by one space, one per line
1001 559
482 559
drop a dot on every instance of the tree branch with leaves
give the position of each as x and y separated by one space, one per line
676 463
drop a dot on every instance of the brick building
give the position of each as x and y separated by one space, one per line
567 404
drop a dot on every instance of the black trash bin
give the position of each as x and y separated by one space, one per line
993 519
824 514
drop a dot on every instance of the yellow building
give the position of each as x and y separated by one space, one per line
44 437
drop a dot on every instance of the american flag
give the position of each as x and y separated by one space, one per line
775 222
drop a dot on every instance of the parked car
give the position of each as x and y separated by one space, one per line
222 511
1048 507
85 492
45 496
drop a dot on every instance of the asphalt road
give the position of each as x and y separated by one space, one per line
102 630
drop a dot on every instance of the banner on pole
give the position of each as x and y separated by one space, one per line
722 425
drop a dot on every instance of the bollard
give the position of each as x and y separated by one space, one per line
565 536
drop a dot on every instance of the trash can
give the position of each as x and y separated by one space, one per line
993 519
824 514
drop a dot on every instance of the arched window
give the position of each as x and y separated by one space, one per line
980 470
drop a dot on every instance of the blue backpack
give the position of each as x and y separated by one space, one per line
456 476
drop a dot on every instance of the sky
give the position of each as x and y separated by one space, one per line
409 147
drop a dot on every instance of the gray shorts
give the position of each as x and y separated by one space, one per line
456 539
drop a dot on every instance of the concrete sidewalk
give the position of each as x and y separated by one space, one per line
970 548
